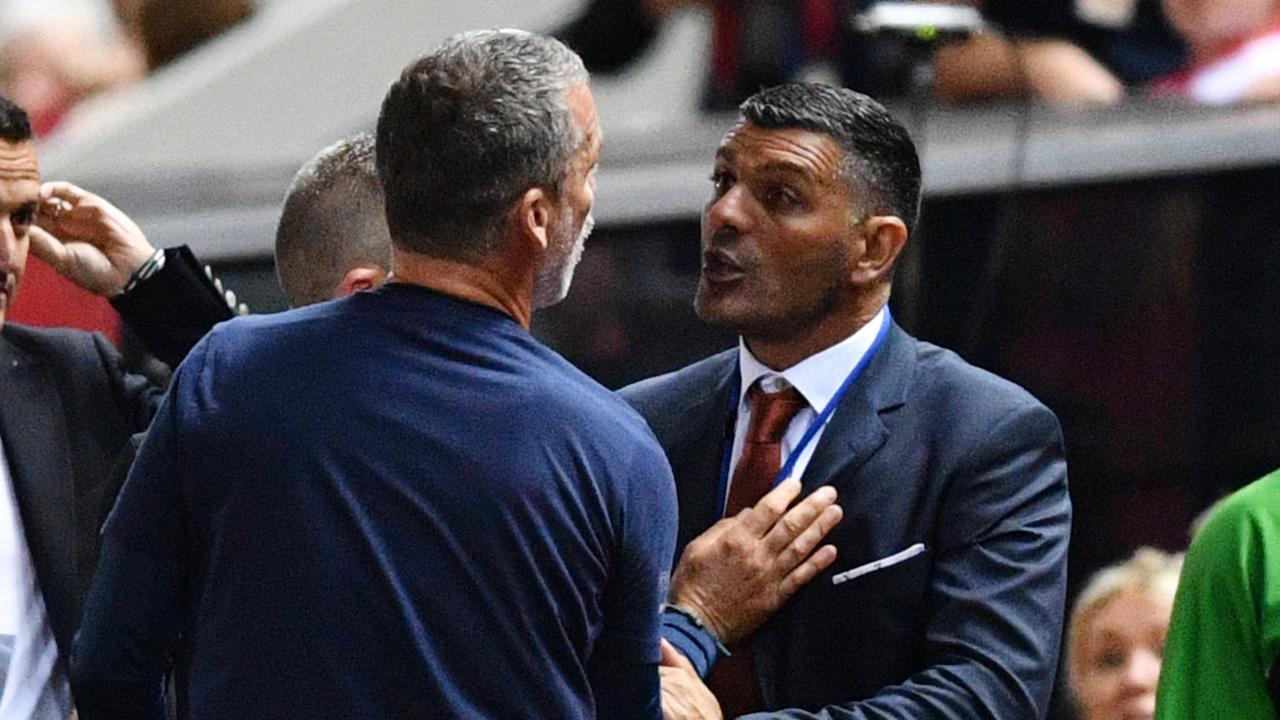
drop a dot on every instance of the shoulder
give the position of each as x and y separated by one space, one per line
946 384
672 392
62 348
51 342
260 336
569 392
1248 517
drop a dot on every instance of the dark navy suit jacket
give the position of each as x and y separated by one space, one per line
67 407
925 449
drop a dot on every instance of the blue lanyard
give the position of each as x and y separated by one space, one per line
787 467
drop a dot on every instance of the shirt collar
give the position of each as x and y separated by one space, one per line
817 377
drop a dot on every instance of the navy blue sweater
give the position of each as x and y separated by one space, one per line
395 505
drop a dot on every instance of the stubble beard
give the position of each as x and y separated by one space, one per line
556 274
775 314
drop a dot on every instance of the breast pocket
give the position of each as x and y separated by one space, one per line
867 619
884 563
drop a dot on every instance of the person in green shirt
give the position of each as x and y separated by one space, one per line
1222 654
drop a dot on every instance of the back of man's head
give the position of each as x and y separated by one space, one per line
333 221
466 130
15 126
880 161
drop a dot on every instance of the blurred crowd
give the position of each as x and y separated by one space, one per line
56 55
53 56
1061 51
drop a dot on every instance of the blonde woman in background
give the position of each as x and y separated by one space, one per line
1116 635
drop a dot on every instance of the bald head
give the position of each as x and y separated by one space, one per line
332 238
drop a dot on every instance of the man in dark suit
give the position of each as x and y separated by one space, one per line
67 407
946 598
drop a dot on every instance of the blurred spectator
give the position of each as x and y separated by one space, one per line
168 29
1234 47
53 55
755 44
1116 634
1063 51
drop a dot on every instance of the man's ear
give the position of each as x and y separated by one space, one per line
360 278
884 238
533 214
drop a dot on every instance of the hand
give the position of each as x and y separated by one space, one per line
739 572
87 239
684 695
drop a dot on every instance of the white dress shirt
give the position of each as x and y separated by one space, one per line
32 685
817 377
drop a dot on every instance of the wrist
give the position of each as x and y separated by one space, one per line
692 639
152 265
698 619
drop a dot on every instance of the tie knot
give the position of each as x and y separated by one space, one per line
772 412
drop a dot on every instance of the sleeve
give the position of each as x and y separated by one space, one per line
174 308
137 398
137 602
693 641
1224 636
624 666
997 589
609 34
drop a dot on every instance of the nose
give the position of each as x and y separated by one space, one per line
1142 671
727 211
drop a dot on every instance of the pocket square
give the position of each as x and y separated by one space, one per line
880 564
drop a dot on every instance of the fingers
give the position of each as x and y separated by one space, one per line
686 697
64 191
800 550
47 247
799 519
807 571
673 658
57 200
76 213
768 509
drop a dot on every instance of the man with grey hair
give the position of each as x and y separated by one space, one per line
332 239
400 504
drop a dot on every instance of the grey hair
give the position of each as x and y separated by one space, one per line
332 221
467 129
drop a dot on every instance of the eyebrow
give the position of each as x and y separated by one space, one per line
785 168
728 154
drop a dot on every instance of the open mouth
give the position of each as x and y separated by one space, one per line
719 267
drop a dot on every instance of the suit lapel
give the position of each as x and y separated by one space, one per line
856 429
707 421
36 447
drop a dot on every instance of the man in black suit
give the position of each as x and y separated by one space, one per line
67 407
946 598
